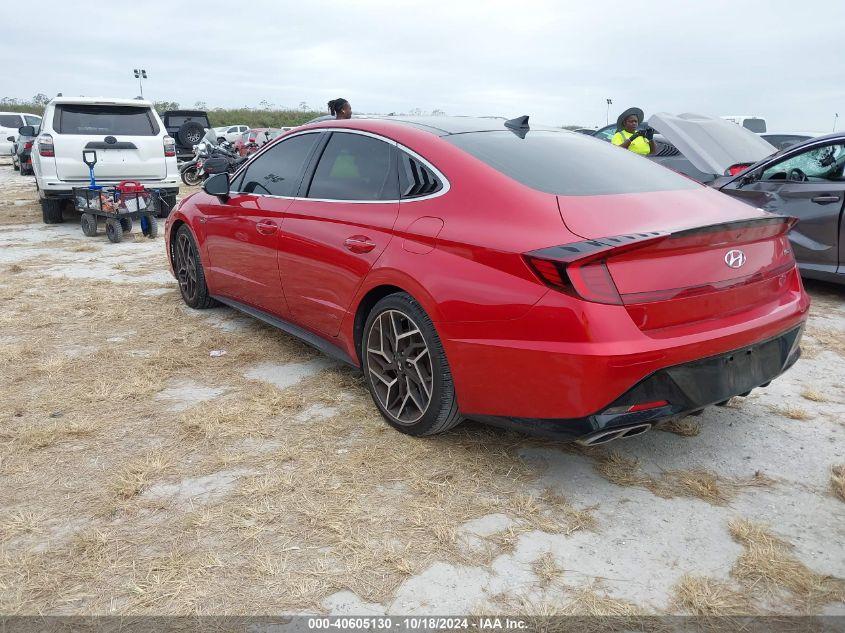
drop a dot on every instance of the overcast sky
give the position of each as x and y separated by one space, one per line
780 59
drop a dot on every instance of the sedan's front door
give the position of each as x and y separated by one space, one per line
242 233
337 228
809 185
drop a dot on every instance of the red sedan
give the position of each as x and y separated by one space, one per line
475 268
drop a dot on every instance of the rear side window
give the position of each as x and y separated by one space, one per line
10 120
34 121
354 167
277 171
104 119
755 125
568 164
415 179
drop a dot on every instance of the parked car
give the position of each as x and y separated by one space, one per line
531 278
10 123
804 181
22 150
230 132
782 140
248 142
754 123
128 136
187 127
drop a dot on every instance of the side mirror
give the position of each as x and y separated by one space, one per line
10 138
217 185
27 130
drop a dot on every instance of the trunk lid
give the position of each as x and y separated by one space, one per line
677 258
710 144
127 139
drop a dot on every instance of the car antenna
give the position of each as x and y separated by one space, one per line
518 126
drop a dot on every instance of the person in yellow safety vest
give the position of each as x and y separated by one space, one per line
629 137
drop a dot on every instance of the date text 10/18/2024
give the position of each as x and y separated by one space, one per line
422 623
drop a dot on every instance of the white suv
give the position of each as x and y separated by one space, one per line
128 136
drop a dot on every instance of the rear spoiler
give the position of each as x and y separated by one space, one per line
768 226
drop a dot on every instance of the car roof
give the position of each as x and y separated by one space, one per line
440 125
185 113
102 101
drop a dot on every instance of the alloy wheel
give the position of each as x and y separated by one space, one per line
400 366
186 266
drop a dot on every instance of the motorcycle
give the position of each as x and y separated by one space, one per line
191 169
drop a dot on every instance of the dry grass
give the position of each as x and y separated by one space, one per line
707 597
768 566
547 569
837 481
685 427
700 484
814 396
792 412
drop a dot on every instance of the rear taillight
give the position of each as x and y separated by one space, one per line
169 146
45 146
733 170
580 269
27 145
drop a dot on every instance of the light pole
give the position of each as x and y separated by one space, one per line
835 117
607 116
140 75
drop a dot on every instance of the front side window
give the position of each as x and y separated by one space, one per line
817 164
354 167
277 171
568 164
104 119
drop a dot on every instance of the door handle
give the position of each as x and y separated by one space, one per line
266 227
825 199
359 244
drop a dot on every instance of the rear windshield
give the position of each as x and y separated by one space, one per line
10 120
104 119
180 120
569 164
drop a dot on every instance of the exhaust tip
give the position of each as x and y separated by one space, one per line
605 437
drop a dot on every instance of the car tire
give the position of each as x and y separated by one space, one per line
400 346
190 133
51 210
126 224
89 224
189 271
165 205
114 230
149 226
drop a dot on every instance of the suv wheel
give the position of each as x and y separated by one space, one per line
189 270
51 210
406 369
190 133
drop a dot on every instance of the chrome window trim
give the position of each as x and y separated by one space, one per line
445 181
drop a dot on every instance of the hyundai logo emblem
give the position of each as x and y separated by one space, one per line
735 258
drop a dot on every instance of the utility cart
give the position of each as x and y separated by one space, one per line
117 206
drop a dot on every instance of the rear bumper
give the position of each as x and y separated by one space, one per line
685 388
568 359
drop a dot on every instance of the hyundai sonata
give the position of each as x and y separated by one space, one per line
479 268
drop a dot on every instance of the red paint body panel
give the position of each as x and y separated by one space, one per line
515 346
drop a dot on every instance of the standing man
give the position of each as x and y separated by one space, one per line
629 137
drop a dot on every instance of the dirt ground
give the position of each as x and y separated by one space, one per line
155 459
